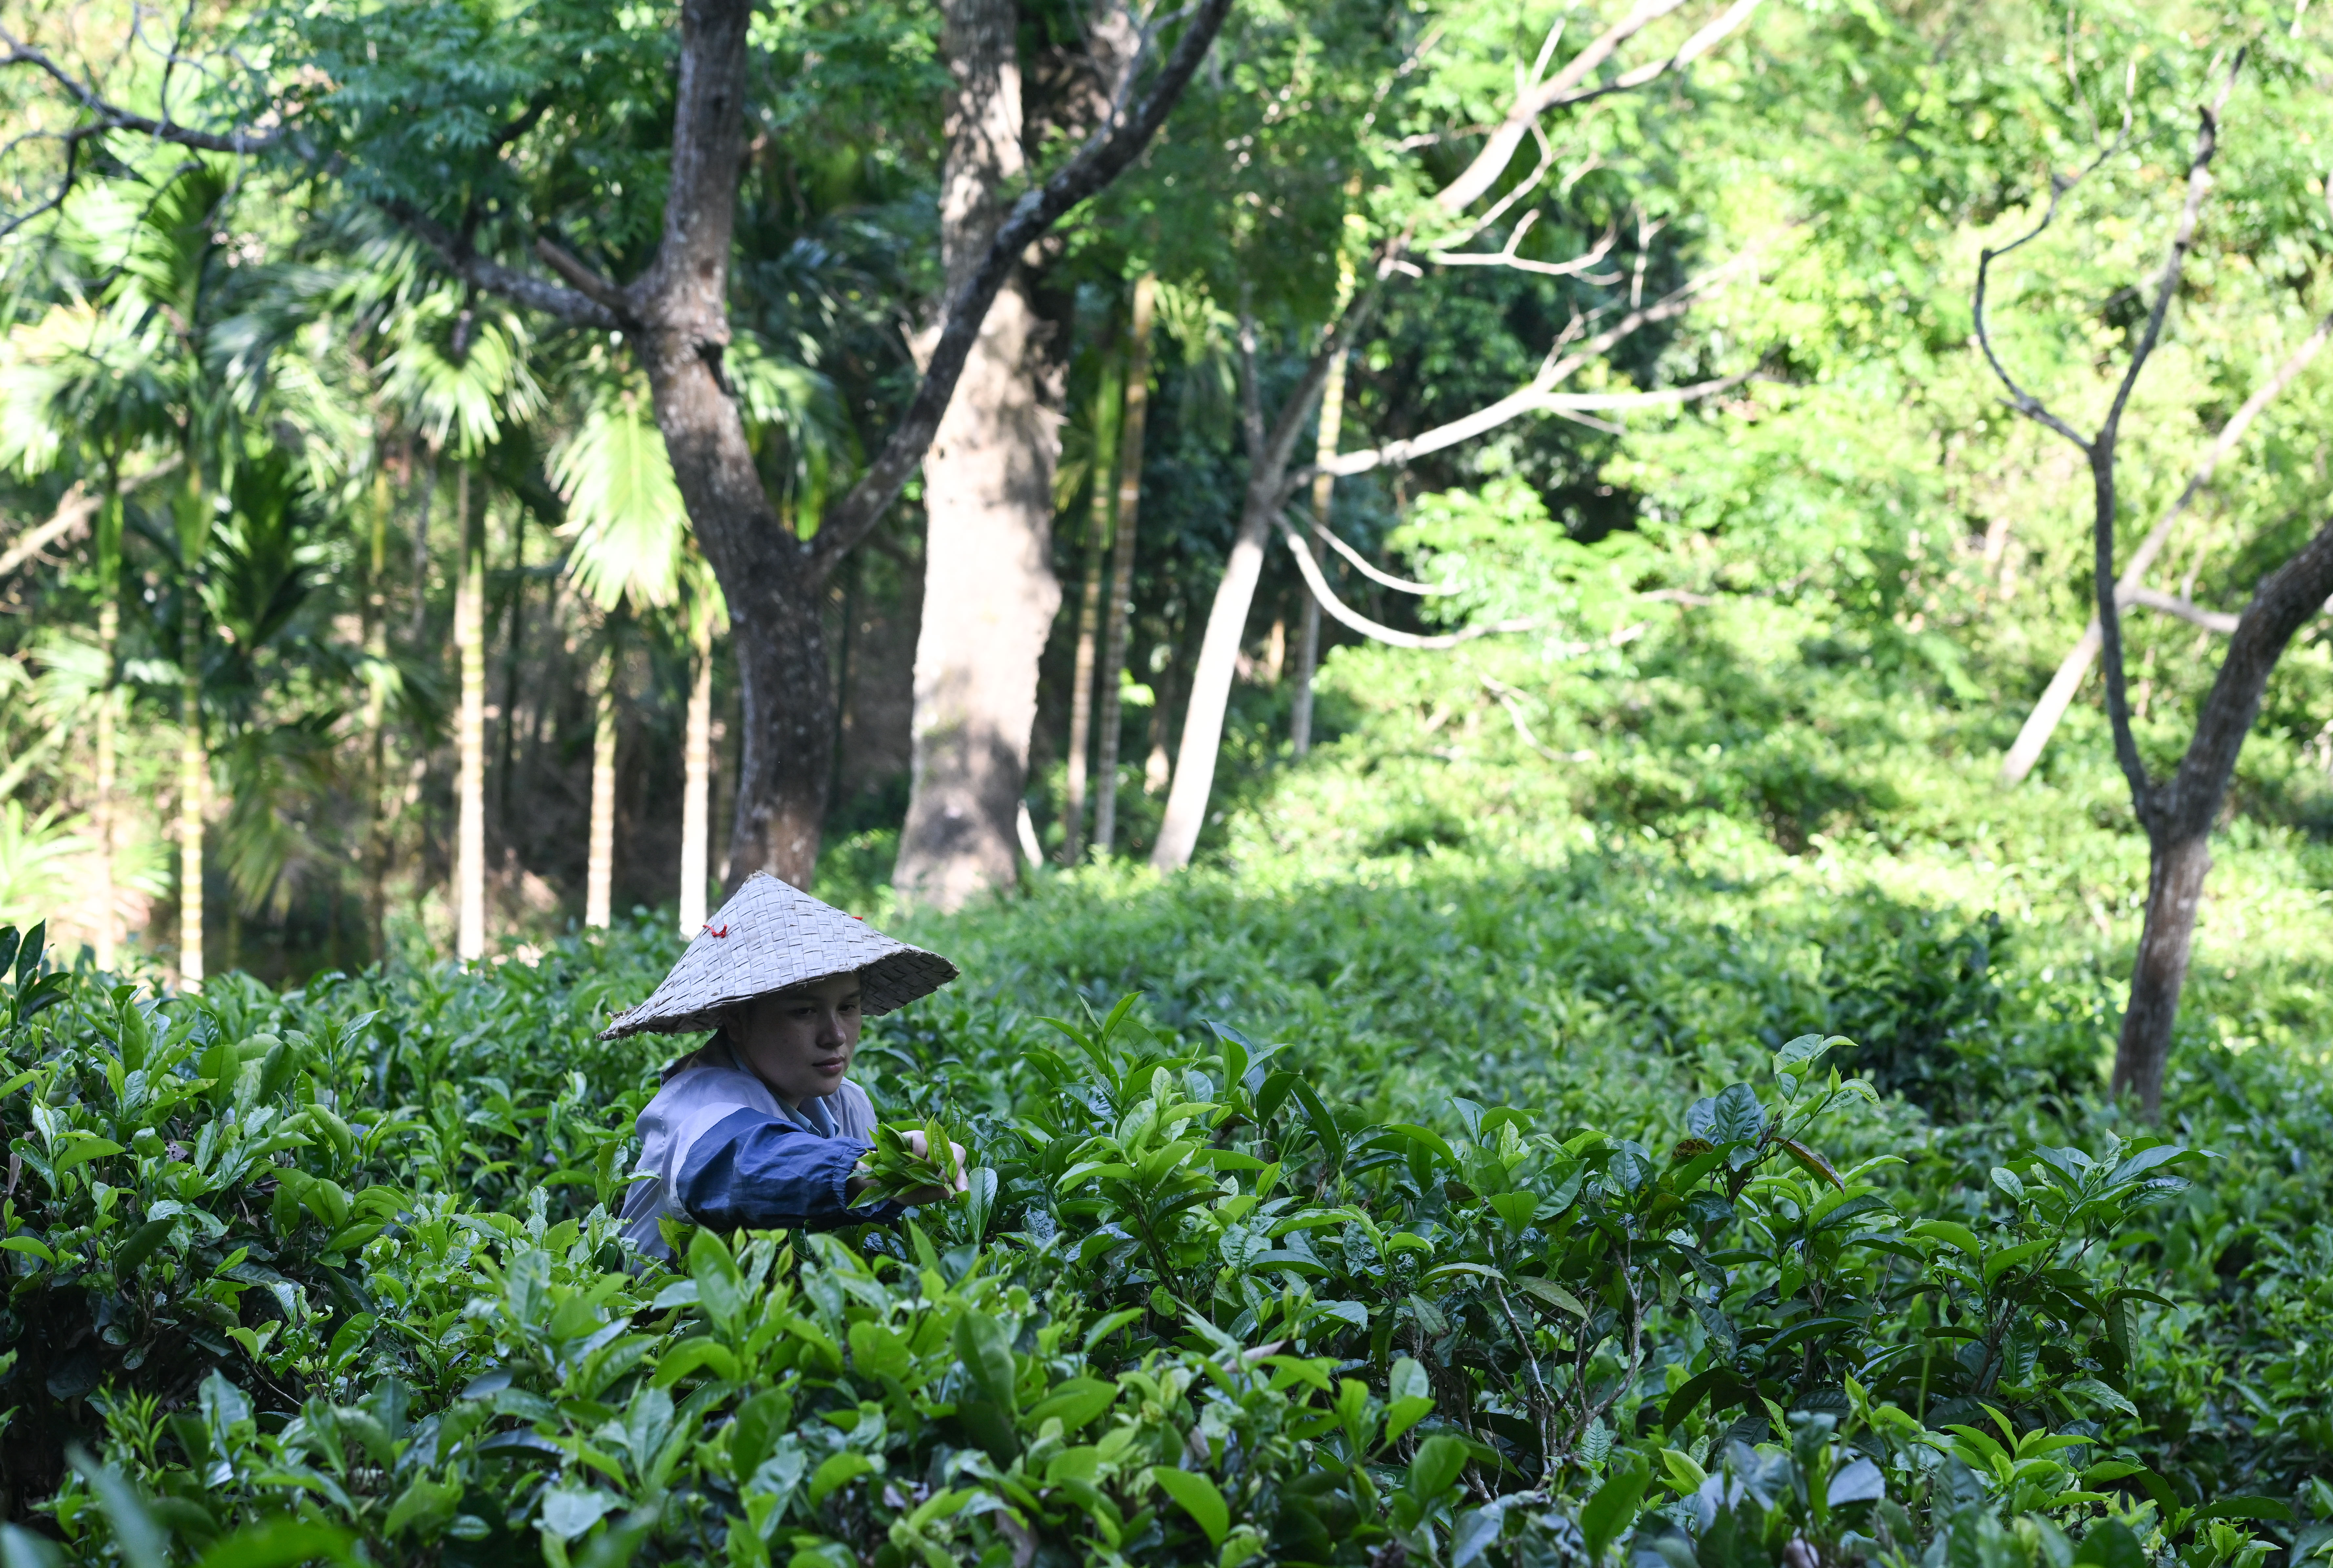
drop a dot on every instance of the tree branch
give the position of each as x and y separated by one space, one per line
1563 88
2188 610
571 306
71 515
1540 395
2102 459
1360 563
2286 600
2100 449
1535 98
1310 568
2033 736
112 117
582 279
1505 256
2024 402
1111 147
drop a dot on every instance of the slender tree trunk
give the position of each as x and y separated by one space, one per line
2176 867
513 646
989 595
421 549
1097 549
194 791
194 757
1165 697
1211 677
109 636
853 576
696 794
470 731
2179 812
376 647
1324 485
1210 688
1121 556
108 641
376 715
598 874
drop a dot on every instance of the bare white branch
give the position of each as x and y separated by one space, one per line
1375 631
1505 256
1382 579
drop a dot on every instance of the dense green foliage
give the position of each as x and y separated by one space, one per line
1632 1092
331 1272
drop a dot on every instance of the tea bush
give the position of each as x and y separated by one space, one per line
329 1275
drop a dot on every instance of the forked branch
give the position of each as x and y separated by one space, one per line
2099 449
1540 395
1112 146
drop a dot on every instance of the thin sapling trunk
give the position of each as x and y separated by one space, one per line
470 731
1098 550
600 867
1119 607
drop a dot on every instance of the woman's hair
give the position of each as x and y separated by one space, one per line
719 1046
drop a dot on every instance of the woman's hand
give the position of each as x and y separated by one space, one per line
917 1147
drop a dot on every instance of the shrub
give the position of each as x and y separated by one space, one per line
330 1274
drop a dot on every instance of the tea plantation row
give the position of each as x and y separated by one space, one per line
330 1276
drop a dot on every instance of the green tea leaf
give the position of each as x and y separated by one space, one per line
1613 1508
1199 1498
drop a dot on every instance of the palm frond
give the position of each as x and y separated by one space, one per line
624 510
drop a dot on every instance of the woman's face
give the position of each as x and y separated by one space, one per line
799 1042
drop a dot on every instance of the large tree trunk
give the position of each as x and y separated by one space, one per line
990 594
1122 555
675 316
989 601
786 689
470 731
2179 814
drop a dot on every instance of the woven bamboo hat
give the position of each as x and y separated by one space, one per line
771 937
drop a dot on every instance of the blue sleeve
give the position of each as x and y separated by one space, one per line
754 1172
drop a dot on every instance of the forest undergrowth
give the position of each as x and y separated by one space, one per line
1645 1110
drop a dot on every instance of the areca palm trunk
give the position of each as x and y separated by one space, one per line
599 874
375 730
1098 545
1121 564
194 774
194 757
377 780
470 643
109 639
697 793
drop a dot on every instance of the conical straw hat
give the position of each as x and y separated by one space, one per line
771 937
